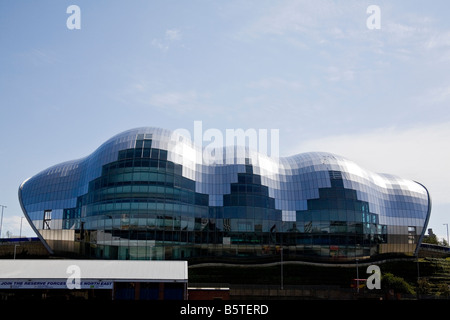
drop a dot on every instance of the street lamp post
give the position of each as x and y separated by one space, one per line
282 287
357 277
1 219
20 233
20 236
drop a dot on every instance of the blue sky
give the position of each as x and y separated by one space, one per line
311 69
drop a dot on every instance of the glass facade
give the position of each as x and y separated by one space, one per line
148 193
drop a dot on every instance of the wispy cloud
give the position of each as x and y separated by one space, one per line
170 36
335 74
276 82
180 101
151 93
193 103
439 40
435 95
307 24
313 19
39 57
173 34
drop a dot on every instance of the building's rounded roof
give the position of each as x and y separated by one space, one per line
291 180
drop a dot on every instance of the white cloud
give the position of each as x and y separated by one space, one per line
173 34
170 36
161 45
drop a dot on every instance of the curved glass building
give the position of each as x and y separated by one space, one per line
148 193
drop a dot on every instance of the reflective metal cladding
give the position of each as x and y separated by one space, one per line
149 193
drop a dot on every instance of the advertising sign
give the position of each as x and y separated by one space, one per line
54 284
